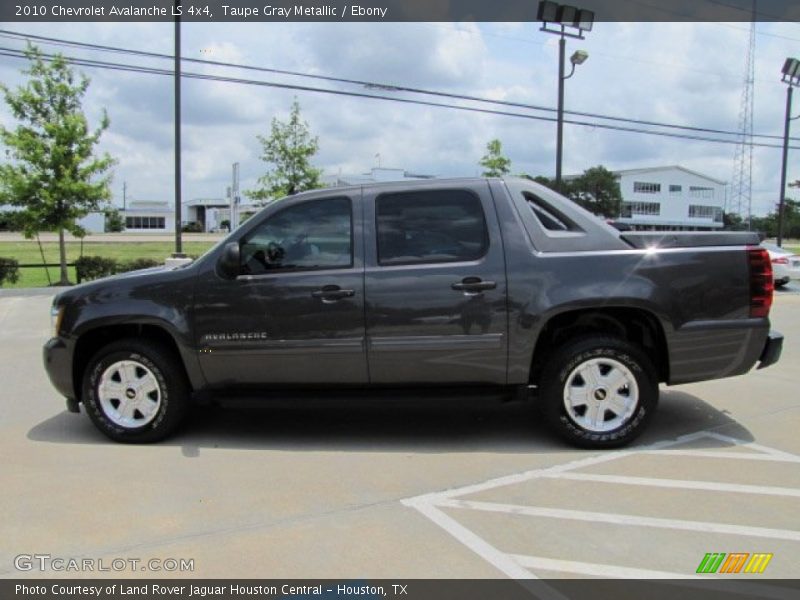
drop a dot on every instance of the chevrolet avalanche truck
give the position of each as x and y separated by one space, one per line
490 284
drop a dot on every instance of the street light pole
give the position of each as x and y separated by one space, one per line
562 43
786 126
563 16
791 77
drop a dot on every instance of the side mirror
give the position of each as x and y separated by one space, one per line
229 264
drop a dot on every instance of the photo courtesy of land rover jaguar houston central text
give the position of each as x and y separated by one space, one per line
491 284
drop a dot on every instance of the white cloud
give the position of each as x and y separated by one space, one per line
681 73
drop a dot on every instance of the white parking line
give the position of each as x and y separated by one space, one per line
723 454
681 484
620 519
516 566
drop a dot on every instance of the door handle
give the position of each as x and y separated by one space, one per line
332 293
473 285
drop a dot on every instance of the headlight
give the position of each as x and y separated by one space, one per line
56 315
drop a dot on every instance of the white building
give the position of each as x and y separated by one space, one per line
149 216
211 213
671 197
375 175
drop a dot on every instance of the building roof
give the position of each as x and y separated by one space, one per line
668 168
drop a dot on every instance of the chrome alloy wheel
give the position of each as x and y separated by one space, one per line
600 394
129 394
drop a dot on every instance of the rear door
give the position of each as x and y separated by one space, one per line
435 285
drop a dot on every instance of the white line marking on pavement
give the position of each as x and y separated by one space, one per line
533 474
765 449
620 519
594 569
495 557
723 454
681 484
429 504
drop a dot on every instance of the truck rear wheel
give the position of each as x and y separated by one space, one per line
598 392
135 391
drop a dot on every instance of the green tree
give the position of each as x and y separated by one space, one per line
53 174
115 222
733 222
596 190
289 149
494 163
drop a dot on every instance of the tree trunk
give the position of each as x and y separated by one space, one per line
62 249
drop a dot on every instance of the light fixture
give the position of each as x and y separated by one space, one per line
565 15
579 57
791 71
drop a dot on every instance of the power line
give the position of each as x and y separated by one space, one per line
377 85
13 53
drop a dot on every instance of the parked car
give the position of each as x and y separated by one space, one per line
500 285
785 264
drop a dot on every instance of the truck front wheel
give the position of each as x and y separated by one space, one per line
598 392
135 391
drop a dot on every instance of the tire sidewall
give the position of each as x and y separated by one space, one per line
576 353
165 419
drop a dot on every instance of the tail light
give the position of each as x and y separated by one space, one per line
761 283
781 260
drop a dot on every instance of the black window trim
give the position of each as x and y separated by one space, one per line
486 240
276 272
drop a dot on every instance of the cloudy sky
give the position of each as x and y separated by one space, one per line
687 74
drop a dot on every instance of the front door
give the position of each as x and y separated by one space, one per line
295 314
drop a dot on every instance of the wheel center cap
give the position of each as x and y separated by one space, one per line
130 393
600 394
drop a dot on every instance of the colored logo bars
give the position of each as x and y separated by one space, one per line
735 562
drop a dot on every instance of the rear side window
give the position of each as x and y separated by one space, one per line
551 218
430 226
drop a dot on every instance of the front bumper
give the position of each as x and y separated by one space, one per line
772 350
58 364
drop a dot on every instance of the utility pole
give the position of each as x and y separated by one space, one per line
235 197
124 196
178 242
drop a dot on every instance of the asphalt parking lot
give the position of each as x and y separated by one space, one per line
389 489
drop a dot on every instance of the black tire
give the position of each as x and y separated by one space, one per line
162 370
615 430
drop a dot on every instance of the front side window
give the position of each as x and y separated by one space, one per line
313 235
430 226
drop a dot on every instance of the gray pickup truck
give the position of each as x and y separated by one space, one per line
491 284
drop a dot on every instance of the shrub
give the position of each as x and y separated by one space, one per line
9 270
193 227
137 264
94 267
115 222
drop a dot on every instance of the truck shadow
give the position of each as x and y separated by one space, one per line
429 426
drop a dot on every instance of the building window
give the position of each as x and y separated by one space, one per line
701 192
630 209
145 223
698 211
675 190
644 187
